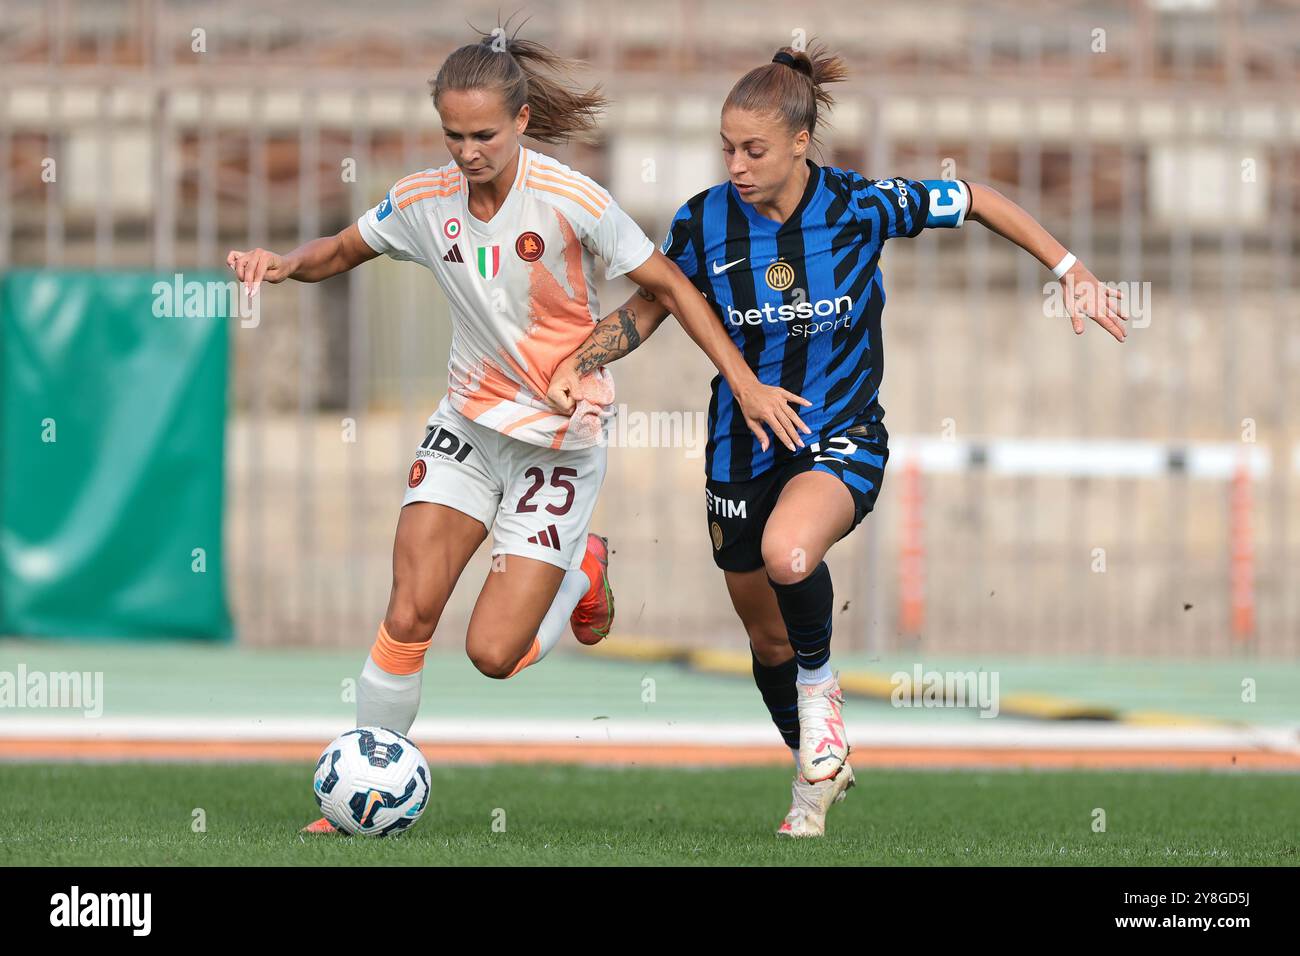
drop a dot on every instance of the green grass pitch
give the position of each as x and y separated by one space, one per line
91 814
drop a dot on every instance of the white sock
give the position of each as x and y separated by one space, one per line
556 622
387 700
815 675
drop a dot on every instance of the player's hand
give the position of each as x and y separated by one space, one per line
1086 297
256 265
563 392
770 405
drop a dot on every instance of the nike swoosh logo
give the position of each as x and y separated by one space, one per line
717 271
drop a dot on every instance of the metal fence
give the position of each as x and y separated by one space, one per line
1157 139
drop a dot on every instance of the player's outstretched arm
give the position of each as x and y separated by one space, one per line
663 290
311 262
1085 295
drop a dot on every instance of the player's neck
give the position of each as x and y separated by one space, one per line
787 200
486 199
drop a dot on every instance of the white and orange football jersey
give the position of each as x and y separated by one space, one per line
520 287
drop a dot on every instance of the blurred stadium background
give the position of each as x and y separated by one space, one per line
1111 529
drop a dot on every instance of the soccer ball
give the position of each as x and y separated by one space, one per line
371 782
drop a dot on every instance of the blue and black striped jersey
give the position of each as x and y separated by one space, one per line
802 299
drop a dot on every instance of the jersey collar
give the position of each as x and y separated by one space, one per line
502 216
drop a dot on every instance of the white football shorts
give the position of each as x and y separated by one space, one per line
537 501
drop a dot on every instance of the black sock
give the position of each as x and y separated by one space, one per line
776 684
806 608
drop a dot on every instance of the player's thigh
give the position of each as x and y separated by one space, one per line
814 510
539 534
452 493
430 550
755 603
510 608
828 497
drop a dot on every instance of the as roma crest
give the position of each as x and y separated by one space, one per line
529 247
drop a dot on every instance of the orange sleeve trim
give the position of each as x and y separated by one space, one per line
443 173
599 195
427 195
566 182
567 195
394 657
415 184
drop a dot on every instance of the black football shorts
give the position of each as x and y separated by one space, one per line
738 510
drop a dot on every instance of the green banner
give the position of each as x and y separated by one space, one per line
112 440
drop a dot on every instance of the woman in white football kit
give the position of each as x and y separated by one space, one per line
511 236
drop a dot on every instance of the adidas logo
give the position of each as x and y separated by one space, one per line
547 541
454 254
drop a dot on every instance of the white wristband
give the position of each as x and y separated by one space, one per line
1064 265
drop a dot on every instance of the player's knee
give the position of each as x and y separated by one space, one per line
771 645
785 559
768 637
492 661
409 624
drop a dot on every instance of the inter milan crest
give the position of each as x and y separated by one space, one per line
489 261
529 247
779 276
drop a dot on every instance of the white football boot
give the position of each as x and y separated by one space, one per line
810 801
823 744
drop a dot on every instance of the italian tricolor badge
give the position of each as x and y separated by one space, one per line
489 261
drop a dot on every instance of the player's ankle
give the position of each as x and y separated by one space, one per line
398 657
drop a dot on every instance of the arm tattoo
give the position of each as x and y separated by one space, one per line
613 337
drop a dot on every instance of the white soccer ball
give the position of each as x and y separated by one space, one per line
372 781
